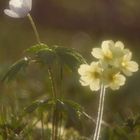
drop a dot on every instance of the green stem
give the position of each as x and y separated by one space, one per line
100 114
61 81
34 28
52 83
55 99
53 125
56 125
42 126
60 125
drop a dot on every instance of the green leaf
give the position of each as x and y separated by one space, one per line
74 105
15 68
66 56
37 48
69 57
43 54
71 109
46 56
38 104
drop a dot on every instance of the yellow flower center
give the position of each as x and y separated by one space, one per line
124 64
112 78
108 55
95 75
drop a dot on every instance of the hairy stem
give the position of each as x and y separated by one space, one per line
34 28
100 114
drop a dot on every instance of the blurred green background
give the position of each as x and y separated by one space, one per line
79 24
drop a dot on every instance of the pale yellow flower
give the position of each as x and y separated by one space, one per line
109 50
113 79
109 53
119 44
128 66
113 59
90 75
104 53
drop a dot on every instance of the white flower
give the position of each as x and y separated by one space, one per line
127 65
113 79
18 8
90 75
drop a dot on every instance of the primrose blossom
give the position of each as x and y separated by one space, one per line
127 65
113 61
90 75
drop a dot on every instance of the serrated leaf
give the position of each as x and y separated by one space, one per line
37 48
15 68
69 57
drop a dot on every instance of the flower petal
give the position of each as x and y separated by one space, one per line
20 8
95 85
128 56
119 44
97 53
11 13
83 83
107 43
15 3
107 54
96 67
114 87
118 81
28 4
83 69
132 66
127 72
86 79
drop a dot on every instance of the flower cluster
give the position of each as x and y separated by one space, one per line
114 63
